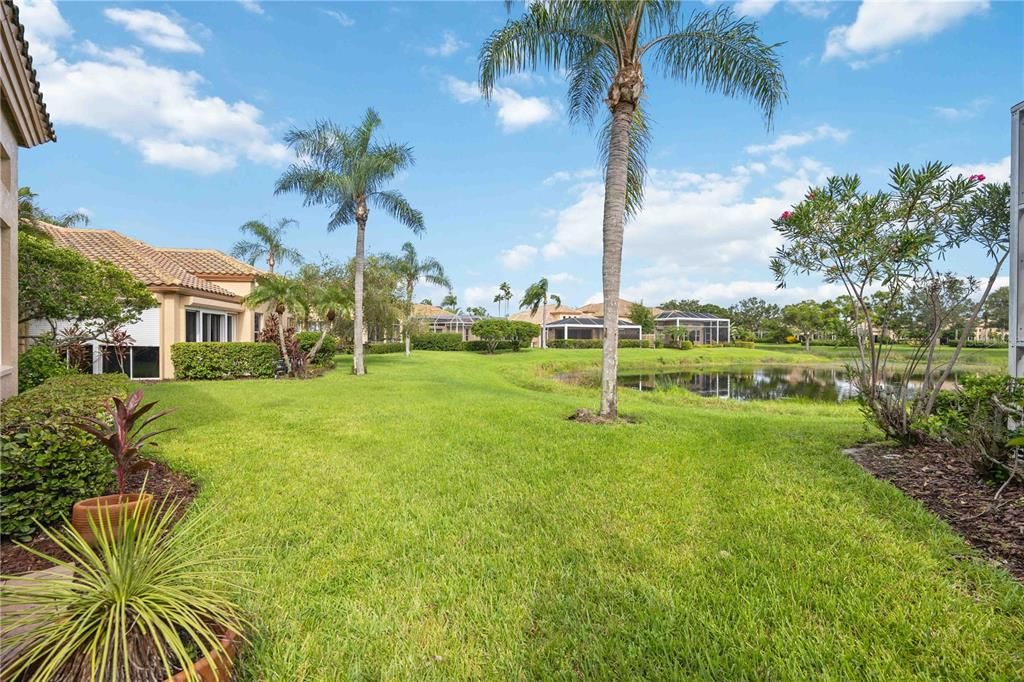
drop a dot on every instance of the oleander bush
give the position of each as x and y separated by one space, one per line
437 342
39 363
224 360
46 463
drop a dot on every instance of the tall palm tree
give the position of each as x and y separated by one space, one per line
537 296
411 270
347 171
498 298
267 243
602 46
506 295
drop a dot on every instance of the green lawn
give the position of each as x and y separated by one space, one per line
439 518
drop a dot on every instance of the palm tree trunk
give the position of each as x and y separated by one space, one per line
358 365
543 317
408 319
316 347
611 262
270 263
284 346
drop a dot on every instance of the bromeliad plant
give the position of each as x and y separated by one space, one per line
123 435
147 603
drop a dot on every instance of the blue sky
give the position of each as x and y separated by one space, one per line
170 117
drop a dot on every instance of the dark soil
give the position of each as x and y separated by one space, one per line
161 483
947 484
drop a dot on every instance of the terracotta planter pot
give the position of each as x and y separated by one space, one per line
116 507
203 669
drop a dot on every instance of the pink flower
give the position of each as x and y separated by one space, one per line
810 195
785 215
979 177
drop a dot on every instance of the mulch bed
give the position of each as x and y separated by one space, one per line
161 483
946 483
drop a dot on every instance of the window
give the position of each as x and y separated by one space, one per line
257 325
6 174
138 362
209 326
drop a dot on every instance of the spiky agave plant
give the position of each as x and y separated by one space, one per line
137 606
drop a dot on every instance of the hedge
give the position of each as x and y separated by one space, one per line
577 344
224 360
324 356
46 465
384 348
437 341
480 346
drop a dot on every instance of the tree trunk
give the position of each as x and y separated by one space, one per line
270 263
408 319
543 317
316 347
284 346
807 342
611 262
358 365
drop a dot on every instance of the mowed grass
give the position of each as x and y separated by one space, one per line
440 518
983 360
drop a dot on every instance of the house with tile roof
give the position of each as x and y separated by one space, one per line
24 123
200 294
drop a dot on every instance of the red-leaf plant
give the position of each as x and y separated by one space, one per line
121 436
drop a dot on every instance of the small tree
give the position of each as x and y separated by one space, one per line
477 311
642 315
411 270
492 332
889 242
450 303
805 318
537 297
521 333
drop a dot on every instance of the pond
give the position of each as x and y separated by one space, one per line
772 382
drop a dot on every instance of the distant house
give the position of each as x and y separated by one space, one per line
199 294
25 123
587 328
434 320
700 327
553 313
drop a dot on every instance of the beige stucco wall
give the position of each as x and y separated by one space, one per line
8 259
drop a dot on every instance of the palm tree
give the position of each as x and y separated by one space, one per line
268 243
602 46
505 290
346 170
537 296
498 298
450 303
30 214
411 269
281 293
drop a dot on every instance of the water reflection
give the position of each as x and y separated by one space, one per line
756 383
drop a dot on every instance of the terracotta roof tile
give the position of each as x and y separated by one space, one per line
148 265
11 14
209 262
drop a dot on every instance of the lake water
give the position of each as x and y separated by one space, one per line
747 383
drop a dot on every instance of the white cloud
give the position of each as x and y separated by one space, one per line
690 221
568 176
251 6
153 29
965 111
515 112
882 25
518 257
564 278
754 8
158 110
44 27
994 171
812 9
483 295
656 290
790 140
450 44
340 17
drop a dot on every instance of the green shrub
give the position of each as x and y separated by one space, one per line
481 346
384 348
740 344
984 344
324 356
46 464
578 344
437 342
225 360
39 363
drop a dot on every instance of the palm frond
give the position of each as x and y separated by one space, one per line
394 204
724 55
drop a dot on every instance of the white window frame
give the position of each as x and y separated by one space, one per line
230 330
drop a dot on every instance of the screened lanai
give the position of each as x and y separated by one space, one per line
701 327
587 328
451 324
